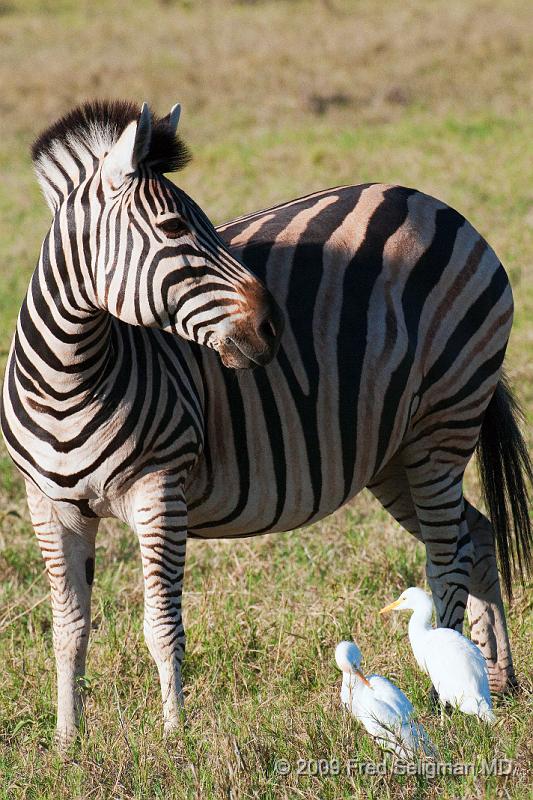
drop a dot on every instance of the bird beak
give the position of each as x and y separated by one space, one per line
360 675
390 607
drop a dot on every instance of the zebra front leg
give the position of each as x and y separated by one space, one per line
68 553
485 606
162 533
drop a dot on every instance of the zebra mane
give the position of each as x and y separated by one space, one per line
70 149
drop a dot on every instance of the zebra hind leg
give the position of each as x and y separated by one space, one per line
69 558
435 486
485 606
391 487
427 500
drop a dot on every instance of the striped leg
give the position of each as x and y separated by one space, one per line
485 607
437 493
391 488
69 560
162 532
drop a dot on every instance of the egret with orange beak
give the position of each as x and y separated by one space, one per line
381 707
454 663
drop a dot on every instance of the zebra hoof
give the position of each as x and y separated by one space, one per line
64 738
501 682
172 725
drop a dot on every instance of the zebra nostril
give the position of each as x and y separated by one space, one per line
267 331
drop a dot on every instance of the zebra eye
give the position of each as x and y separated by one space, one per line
174 228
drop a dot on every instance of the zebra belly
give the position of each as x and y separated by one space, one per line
276 459
228 512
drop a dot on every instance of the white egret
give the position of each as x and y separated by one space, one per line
454 663
381 707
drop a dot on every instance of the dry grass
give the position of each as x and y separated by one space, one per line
280 98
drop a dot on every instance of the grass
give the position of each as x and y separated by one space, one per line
280 98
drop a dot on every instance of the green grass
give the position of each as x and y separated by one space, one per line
280 98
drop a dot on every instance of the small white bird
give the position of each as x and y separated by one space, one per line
381 707
455 664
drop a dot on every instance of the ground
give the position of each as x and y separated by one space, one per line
279 98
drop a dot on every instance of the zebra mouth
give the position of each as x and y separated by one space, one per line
233 357
253 341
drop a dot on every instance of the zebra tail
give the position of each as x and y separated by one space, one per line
505 471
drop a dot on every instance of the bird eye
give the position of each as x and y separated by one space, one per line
174 228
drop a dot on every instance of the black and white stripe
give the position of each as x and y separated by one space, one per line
397 315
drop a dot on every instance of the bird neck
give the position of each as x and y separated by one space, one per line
352 683
419 626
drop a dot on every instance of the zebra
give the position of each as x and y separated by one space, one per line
206 383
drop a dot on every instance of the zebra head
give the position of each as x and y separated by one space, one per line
153 256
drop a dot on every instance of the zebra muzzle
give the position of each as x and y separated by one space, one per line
254 340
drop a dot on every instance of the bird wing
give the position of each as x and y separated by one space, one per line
456 666
388 693
416 740
387 715
378 717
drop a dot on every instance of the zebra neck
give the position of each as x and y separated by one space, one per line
63 343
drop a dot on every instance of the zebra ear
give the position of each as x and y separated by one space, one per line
128 152
174 117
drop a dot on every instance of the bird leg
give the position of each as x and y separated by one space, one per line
435 703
